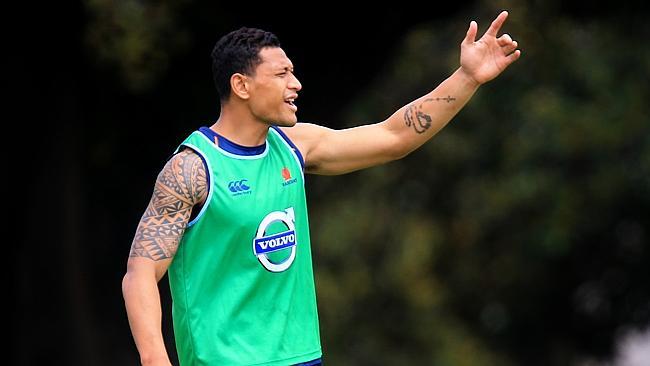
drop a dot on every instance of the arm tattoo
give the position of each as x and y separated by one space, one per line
414 116
180 185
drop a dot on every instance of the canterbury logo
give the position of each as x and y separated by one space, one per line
237 186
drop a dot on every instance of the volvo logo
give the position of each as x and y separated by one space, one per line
265 244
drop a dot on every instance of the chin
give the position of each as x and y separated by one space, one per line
286 123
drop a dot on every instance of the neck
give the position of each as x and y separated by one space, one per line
240 127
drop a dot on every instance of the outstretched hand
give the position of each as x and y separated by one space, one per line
485 59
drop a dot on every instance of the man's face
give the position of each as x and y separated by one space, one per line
274 88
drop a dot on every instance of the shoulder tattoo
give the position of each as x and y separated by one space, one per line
180 186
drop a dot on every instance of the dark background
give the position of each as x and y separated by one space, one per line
519 235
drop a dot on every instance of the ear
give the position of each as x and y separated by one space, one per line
240 85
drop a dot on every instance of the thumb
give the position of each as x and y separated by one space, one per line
471 33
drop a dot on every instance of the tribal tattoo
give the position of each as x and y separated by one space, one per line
414 116
179 186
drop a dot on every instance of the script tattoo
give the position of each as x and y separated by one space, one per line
180 185
414 116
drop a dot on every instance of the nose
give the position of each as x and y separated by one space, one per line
294 83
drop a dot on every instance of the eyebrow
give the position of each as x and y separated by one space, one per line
285 68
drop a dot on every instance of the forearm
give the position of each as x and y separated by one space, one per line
142 301
418 121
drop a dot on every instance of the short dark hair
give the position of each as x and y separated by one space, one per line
238 52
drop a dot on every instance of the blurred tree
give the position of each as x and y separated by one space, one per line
519 234
136 38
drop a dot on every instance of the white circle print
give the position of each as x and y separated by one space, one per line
264 244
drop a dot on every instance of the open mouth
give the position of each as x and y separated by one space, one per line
291 103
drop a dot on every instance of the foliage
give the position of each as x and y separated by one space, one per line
518 235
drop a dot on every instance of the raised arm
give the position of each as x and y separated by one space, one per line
328 151
180 186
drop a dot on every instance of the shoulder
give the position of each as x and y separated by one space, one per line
186 157
304 135
308 137
303 129
184 174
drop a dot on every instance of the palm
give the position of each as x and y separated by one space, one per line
485 59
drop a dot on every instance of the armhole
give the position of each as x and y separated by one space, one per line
208 176
292 147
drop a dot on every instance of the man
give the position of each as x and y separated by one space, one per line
228 216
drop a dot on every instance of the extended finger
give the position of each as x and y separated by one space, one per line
496 24
470 37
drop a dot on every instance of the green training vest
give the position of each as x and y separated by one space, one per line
242 282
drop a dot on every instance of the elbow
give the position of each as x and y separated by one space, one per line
141 272
396 145
126 284
130 279
402 152
397 150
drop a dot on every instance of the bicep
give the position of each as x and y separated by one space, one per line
331 152
179 187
